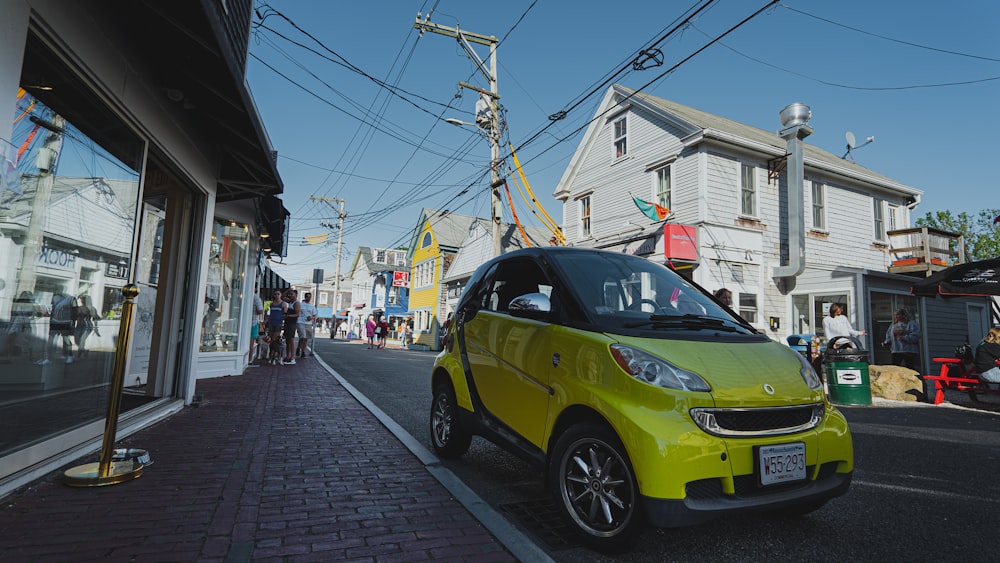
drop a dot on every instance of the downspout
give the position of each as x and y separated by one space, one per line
795 120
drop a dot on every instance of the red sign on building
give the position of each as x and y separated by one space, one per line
680 242
401 279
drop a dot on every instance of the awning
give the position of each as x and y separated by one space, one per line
968 279
274 219
272 281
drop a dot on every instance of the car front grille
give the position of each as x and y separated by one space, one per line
755 422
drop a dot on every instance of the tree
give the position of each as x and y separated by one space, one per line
981 234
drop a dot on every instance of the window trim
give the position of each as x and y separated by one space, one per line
878 218
586 222
623 138
755 212
656 185
822 206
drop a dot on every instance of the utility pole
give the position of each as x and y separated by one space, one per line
340 243
47 160
492 126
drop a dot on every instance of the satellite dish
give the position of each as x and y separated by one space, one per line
850 140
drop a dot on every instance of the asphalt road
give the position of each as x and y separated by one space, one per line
925 486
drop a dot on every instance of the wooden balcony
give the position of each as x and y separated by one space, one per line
922 251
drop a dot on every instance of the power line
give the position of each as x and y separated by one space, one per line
887 38
848 86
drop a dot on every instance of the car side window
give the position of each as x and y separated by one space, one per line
512 279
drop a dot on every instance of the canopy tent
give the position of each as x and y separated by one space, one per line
969 279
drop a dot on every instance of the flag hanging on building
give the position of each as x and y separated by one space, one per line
653 211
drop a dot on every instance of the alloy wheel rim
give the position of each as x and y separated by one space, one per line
597 488
441 420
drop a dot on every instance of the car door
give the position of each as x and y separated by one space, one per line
506 353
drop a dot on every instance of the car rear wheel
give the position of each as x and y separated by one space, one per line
595 487
447 435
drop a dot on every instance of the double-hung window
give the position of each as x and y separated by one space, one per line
585 216
748 190
819 206
879 216
748 307
621 147
663 187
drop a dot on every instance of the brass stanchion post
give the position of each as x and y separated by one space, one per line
128 464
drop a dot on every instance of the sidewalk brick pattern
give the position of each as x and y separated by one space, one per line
280 464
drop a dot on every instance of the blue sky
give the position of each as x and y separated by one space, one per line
873 68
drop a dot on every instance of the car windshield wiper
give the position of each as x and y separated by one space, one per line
691 322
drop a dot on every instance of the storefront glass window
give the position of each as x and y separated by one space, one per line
220 326
69 186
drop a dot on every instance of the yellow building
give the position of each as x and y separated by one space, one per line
437 238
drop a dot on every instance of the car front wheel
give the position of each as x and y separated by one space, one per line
595 487
447 435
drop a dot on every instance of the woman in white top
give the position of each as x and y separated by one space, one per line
838 325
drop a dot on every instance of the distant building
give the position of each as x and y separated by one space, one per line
380 286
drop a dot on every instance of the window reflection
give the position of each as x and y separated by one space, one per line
220 327
67 222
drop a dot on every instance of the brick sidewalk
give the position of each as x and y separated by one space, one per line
280 464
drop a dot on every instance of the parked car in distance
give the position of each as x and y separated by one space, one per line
639 396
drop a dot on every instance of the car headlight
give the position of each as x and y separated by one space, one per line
656 371
809 374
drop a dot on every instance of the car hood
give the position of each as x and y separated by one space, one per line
740 373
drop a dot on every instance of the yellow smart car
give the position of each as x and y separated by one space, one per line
642 398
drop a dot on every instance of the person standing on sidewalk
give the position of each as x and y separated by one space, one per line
903 338
305 327
836 324
255 318
382 331
291 321
275 320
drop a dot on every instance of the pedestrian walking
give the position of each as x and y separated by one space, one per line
86 324
370 331
61 321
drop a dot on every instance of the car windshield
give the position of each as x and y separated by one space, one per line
620 291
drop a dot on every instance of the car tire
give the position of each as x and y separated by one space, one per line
448 437
595 488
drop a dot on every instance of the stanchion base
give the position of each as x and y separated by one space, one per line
86 475
125 465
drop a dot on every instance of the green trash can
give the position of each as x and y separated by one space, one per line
847 372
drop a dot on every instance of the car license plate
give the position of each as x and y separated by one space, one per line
782 463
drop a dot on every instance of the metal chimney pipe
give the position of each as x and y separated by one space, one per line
795 120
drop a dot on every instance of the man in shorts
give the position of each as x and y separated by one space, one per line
305 328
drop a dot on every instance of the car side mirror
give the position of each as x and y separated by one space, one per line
531 306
